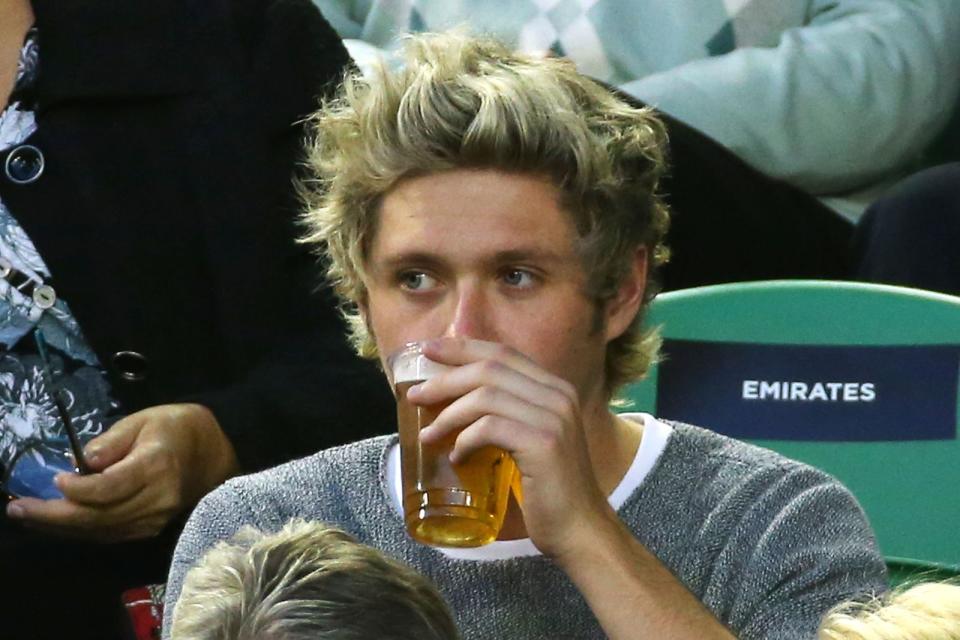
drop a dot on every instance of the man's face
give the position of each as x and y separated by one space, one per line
487 255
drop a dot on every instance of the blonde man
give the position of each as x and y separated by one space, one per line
929 611
304 582
503 209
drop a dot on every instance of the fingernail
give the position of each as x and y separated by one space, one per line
15 511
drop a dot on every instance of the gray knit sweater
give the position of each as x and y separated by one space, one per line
767 543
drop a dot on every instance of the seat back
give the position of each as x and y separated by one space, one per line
860 380
906 571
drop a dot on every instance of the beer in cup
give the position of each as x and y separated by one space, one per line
444 504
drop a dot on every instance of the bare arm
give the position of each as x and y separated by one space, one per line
624 583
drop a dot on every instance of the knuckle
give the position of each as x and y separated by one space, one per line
501 352
487 395
490 369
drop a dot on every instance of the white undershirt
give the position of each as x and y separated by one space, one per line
652 444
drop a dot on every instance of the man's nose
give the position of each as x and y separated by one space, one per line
471 315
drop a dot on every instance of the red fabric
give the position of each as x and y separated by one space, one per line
144 605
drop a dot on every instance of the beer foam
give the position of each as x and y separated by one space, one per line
413 367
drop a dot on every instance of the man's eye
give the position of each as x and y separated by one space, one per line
416 281
518 278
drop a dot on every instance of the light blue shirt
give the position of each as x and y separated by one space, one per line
838 97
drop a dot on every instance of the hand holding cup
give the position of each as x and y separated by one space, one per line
494 396
448 504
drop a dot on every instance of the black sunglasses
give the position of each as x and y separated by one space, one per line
57 393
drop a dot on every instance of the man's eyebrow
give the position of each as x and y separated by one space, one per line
419 258
433 261
531 254
508 255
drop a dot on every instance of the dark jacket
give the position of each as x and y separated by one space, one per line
165 213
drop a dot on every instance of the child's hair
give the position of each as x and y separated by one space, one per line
927 611
307 581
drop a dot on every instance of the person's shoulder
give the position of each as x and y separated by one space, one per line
771 529
294 488
247 13
690 442
361 458
726 466
256 19
766 494
289 52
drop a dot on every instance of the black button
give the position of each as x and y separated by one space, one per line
24 164
131 366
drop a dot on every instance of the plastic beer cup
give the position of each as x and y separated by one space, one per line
444 504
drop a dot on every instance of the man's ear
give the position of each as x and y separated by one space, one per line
623 307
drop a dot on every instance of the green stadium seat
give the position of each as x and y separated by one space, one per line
908 482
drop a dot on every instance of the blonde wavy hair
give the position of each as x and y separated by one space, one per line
464 102
307 581
929 611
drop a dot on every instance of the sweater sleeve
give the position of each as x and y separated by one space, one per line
799 549
859 91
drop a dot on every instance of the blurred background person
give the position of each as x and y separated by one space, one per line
149 280
304 582
768 104
929 611
911 236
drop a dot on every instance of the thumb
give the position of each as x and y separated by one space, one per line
114 444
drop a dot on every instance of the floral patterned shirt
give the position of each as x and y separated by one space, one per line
28 415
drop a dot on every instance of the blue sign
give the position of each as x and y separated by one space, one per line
812 392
